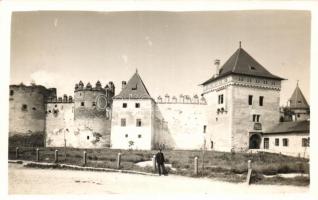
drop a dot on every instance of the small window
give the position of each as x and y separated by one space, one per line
266 143
94 104
137 105
241 79
211 144
256 118
252 68
285 142
250 99
126 135
249 80
204 129
220 99
276 141
139 136
124 105
11 92
265 81
34 108
261 99
305 142
138 122
82 103
24 107
257 81
50 111
55 106
123 122
87 137
273 82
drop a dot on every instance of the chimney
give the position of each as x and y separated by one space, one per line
217 67
123 84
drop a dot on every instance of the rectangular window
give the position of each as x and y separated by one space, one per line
11 92
261 99
266 143
138 122
250 99
305 142
124 105
137 105
256 118
276 141
285 142
82 103
220 99
123 122
204 129
94 104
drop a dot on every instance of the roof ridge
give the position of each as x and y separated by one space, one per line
237 56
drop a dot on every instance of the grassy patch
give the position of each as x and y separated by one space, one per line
218 165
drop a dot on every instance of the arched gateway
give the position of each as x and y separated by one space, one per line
255 141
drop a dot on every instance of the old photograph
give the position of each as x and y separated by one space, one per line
159 102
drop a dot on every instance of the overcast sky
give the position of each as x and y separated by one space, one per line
173 51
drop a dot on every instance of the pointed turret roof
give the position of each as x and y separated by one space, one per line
297 100
242 63
135 89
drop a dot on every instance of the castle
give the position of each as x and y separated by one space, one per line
236 111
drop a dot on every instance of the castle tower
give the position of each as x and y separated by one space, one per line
91 115
27 114
298 105
133 116
243 99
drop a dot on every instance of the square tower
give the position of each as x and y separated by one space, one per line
243 99
133 117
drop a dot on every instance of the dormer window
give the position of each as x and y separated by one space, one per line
252 68
135 87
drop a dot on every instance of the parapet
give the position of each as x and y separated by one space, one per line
110 88
183 99
64 99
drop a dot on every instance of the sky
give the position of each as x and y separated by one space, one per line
173 51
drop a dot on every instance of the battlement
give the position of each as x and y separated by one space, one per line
182 99
64 99
109 88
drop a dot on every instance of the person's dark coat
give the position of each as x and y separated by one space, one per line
160 159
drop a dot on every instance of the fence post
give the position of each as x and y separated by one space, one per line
154 163
249 172
37 155
56 156
118 160
196 165
84 158
17 153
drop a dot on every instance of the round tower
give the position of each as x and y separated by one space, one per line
27 114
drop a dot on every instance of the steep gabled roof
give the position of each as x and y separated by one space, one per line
289 127
242 63
135 89
297 100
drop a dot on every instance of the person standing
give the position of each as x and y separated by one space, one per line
160 159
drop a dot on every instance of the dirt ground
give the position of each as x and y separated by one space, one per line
55 181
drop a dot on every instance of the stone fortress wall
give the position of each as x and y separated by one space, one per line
84 121
180 122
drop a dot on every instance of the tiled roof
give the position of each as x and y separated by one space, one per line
242 63
289 127
135 89
297 100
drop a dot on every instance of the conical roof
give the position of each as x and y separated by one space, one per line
242 63
297 100
135 89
